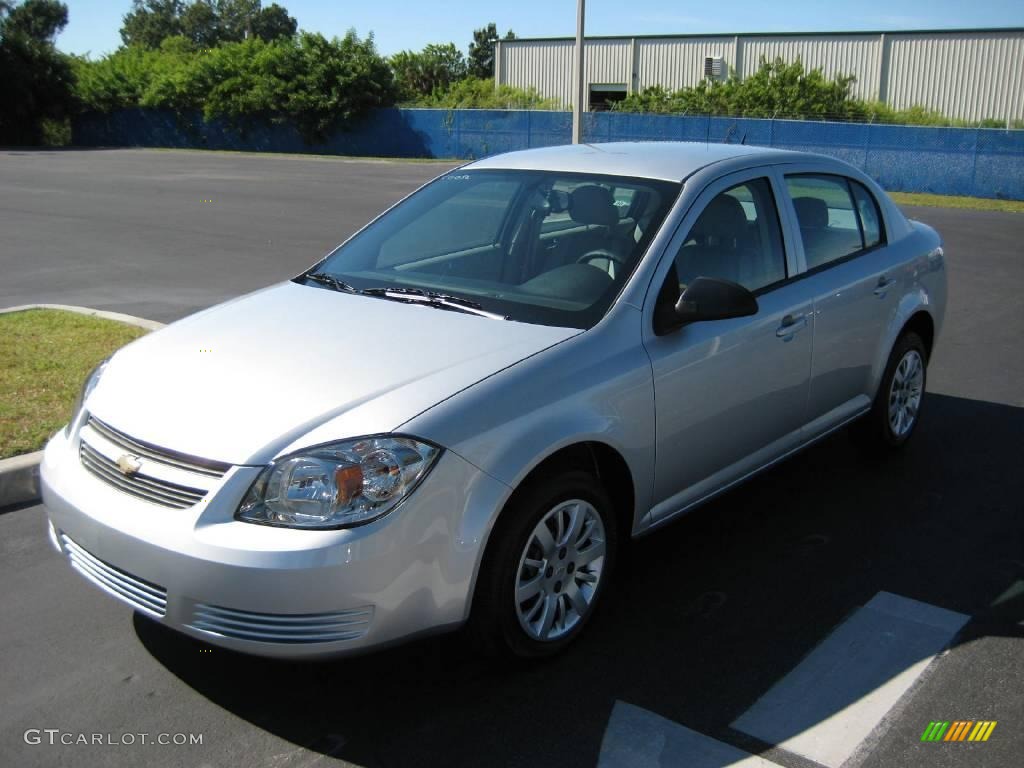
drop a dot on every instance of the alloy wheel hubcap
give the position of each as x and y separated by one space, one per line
905 393
560 570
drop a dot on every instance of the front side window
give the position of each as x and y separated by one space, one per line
832 225
534 246
736 237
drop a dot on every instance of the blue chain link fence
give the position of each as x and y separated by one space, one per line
980 162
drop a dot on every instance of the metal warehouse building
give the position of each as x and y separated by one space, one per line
970 74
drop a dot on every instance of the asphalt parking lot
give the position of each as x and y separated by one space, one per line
705 618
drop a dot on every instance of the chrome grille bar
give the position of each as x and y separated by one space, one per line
283 628
180 460
139 594
148 488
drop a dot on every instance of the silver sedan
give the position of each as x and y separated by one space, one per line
461 413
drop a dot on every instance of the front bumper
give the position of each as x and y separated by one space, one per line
276 591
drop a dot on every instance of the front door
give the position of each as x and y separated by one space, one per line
730 394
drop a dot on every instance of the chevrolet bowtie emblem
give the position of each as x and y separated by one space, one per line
129 464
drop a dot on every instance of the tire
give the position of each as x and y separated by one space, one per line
897 408
562 582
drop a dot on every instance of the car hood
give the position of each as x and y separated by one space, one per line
246 380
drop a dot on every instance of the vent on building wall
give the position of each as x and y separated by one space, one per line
714 67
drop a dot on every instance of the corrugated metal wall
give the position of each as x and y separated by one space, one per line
971 76
677 63
545 65
607 61
964 75
549 63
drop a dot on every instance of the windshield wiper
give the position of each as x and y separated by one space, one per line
433 299
331 282
428 294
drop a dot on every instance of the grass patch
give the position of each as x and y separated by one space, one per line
955 201
47 354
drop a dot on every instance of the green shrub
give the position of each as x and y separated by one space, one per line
435 68
777 89
480 93
314 82
785 91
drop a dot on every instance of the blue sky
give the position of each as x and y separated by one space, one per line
403 24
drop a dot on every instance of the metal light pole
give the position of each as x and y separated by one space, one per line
578 84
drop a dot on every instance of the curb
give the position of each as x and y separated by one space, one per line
19 475
19 479
141 322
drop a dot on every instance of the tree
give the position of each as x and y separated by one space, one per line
151 21
35 78
206 23
36 19
235 18
435 68
199 25
481 50
273 22
337 81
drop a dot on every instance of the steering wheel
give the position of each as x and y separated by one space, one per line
602 253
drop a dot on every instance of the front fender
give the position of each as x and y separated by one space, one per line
595 387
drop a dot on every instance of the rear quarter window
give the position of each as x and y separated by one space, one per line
871 219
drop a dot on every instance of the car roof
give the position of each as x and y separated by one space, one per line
666 160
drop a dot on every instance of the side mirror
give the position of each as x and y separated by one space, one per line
708 298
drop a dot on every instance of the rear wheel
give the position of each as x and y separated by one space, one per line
897 407
550 559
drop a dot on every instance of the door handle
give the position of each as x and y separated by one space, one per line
790 325
883 285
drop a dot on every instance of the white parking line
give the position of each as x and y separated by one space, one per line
636 738
830 702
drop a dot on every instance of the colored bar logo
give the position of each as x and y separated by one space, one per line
959 730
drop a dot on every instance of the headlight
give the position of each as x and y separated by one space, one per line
87 387
338 485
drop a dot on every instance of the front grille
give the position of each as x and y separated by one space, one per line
283 628
180 460
166 478
141 595
151 489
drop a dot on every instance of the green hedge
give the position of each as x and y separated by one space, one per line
785 91
308 80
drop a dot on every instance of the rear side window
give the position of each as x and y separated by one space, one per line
838 217
871 219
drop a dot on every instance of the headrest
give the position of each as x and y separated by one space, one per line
723 220
592 204
811 212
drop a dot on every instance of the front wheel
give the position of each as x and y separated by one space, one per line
549 562
897 407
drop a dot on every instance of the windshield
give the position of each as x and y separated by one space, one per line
533 246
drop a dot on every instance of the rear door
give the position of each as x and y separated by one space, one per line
730 395
855 290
